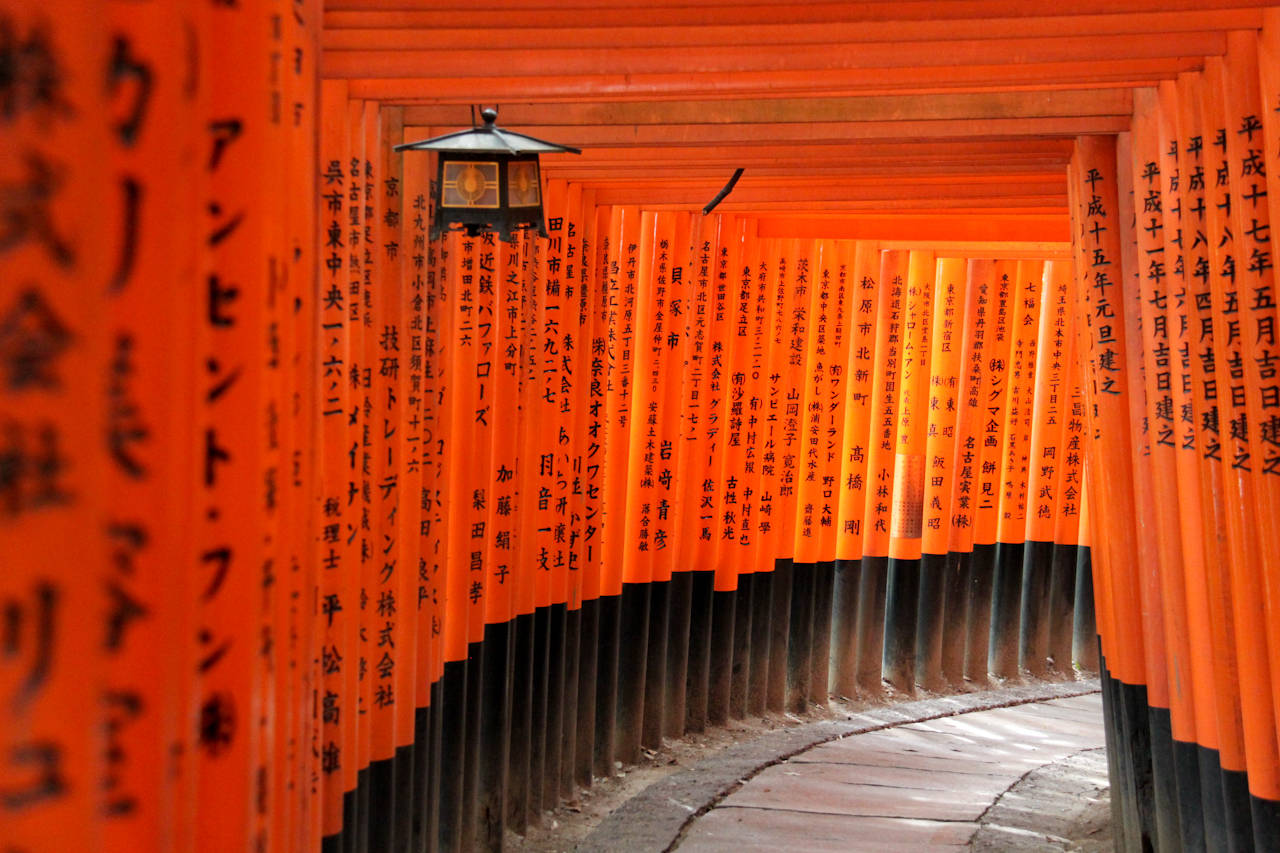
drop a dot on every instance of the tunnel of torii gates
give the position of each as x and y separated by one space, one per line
318 534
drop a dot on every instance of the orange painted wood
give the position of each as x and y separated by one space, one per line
772 269
1255 289
887 356
627 59
1098 300
722 363
623 236
734 527
1046 501
841 293
810 464
694 548
640 461
860 409
910 443
995 401
766 111
798 255
978 326
1178 122
877 16
53 296
671 334
833 81
1159 442
922 229
1023 333
943 455
148 672
231 436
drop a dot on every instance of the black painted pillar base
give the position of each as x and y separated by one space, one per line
655 691
844 629
761 614
422 803
603 758
1084 644
495 734
978 613
632 667
824 582
1006 600
588 675
929 622
519 754
742 662
954 630
800 640
1033 630
720 677
698 680
902 592
404 787
871 621
434 768
362 810
1266 823
552 737
569 718
1062 607
474 748
381 816
681 609
779 635
1237 810
541 677
453 684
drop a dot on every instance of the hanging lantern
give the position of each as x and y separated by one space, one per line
487 179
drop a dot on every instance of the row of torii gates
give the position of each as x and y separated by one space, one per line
319 533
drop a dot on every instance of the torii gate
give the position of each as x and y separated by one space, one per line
320 534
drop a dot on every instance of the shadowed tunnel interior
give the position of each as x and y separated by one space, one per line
320 532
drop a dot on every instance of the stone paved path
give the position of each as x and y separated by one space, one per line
919 786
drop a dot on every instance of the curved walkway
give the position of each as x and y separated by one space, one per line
920 775
913 787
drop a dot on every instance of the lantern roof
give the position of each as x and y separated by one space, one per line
487 139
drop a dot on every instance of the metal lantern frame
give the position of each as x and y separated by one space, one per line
487 179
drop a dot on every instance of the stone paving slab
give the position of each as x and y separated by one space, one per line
655 819
943 779
730 830
830 784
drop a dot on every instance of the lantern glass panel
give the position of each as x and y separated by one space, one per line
523 189
469 183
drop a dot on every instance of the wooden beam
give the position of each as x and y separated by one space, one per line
607 85
571 13
989 226
626 59
884 195
750 134
507 33
960 105
625 170
1051 205
1051 149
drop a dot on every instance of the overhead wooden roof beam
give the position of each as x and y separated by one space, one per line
962 105
641 28
673 135
577 13
626 59
448 88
